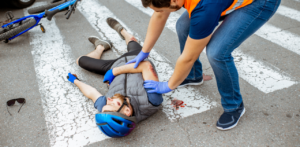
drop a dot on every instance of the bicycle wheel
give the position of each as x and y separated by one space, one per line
1 31
17 29
42 8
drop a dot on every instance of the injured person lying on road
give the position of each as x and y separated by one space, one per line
127 102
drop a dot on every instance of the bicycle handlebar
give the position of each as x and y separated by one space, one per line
50 14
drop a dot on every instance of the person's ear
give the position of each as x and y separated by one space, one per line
127 111
172 2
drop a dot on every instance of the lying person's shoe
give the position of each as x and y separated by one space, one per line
114 24
192 82
96 41
229 120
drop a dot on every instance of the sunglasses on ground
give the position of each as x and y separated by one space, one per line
12 102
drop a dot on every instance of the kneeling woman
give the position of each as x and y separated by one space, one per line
127 101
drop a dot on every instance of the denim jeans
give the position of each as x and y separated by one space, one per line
233 31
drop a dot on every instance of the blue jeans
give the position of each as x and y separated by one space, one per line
234 30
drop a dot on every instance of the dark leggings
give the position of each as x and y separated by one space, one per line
100 66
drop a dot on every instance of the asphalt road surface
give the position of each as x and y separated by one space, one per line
35 64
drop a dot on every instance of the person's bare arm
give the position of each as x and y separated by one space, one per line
145 68
156 26
186 60
88 91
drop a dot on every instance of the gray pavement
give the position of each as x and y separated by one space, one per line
271 119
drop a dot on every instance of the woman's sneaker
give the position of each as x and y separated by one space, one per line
96 41
114 24
192 82
229 120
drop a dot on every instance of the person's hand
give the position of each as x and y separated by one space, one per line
108 77
158 87
72 77
139 58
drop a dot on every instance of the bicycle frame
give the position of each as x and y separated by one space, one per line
38 17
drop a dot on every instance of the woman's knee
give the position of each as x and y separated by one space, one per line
132 39
77 60
214 53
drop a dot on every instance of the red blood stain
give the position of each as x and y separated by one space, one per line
177 103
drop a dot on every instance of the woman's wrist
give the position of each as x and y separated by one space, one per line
145 50
172 87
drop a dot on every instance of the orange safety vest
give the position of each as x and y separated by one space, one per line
190 5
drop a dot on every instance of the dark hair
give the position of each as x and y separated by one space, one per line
156 3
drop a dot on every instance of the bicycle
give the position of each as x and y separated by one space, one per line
18 27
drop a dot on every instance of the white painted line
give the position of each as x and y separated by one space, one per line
261 77
69 115
289 12
96 14
171 22
280 37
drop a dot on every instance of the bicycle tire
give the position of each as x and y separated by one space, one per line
17 30
42 8
1 31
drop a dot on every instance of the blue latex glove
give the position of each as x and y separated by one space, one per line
157 87
139 58
109 76
71 77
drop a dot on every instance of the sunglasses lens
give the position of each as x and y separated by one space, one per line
10 102
21 100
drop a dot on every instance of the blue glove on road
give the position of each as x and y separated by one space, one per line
109 76
158 87
71 77
139 58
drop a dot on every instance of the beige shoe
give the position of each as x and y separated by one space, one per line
114 24
96 41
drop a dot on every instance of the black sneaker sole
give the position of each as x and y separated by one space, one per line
224 129
194 84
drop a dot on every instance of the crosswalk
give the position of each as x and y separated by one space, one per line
75 126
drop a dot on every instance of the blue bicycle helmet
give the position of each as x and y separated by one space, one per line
115 124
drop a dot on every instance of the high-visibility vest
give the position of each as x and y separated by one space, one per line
190 5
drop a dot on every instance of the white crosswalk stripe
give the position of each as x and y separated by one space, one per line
289 12
259 75
172 18
69 117
280 37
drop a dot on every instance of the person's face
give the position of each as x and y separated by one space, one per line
113 105
175 5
